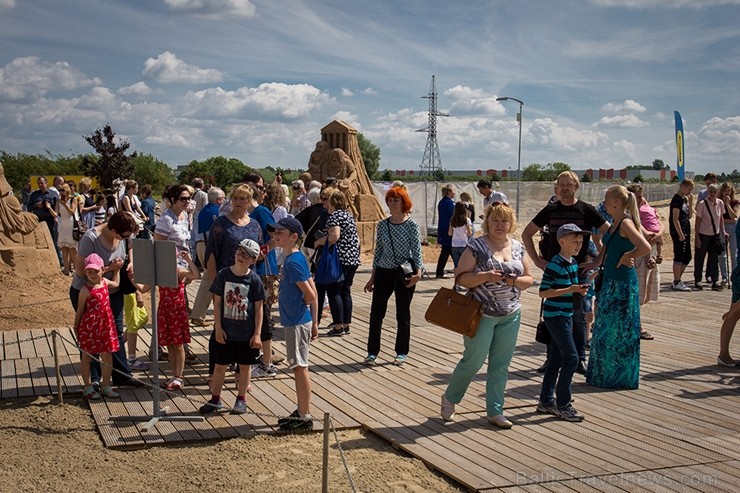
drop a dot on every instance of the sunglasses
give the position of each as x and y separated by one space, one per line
184 199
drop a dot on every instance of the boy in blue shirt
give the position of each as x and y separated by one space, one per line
559 282
237 311
298 312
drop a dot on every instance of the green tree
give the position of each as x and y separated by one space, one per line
438 175
150 170
586 178
533 172
386 175
553 170
370 155
20 167
112 163
658 164
218 170
638 179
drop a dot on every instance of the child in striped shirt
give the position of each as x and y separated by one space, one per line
559 282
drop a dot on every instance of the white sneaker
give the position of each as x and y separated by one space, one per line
261 370
680 286
447 410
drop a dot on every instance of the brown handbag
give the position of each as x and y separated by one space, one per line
460 313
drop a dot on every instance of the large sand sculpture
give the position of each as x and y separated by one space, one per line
25 244
338 155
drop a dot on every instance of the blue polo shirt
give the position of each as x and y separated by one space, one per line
293 310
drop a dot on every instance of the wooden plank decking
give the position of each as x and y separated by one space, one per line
678 432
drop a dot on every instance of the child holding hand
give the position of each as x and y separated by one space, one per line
95 326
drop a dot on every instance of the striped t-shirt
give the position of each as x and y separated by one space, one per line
560 273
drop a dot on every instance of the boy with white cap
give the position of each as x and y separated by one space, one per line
237 311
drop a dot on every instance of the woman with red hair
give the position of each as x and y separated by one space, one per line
396 243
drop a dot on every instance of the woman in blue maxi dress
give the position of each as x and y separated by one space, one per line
614 361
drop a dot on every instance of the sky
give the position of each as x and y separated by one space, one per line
257 79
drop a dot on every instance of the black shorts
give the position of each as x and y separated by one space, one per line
267 325
236 351
681 249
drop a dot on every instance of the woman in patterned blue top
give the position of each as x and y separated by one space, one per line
496 269
397 241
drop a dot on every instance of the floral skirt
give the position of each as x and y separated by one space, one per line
614 361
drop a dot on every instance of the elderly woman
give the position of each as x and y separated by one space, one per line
397 241
496 268
614 361
109 241
66 210
342 232
710 221
224 238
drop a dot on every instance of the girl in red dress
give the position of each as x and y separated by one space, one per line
94 324
173 326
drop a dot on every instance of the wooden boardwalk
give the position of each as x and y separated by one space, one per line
679 432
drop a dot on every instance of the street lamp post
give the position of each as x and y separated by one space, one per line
519 155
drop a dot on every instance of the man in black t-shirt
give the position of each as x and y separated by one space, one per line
567 210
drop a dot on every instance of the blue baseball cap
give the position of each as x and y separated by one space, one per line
290 223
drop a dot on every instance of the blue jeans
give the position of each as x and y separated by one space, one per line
563 359
580 328
456 254
495 340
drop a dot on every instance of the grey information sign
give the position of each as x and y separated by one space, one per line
155 263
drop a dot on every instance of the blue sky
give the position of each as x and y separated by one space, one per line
257 79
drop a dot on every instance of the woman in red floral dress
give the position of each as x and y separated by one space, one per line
173 327
95 326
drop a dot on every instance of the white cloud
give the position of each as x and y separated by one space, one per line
549 134
471 101
626 149
720 135
628 106
370 91
347 92
139 89
213 8
7 4
267 101
167 68
31 77
621 121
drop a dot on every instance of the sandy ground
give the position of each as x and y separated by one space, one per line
60 451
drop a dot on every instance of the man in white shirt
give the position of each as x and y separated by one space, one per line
490 195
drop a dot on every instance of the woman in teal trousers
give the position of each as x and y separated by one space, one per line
496 269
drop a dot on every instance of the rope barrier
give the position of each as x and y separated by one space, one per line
45 336
199 401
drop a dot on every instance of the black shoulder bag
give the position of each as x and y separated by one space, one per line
407 268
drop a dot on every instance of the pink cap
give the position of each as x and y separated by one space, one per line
93 261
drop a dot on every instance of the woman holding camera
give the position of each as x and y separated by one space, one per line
496 269
397 243
341 232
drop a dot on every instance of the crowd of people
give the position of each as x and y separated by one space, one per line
263 243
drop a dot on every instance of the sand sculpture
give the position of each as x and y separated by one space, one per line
337 155
25 244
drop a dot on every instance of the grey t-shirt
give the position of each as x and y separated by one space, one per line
90 243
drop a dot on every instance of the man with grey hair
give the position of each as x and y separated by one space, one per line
200 198
205 219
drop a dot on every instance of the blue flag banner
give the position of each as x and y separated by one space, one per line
680 168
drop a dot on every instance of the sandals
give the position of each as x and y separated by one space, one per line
90 393
174 384
659 259
108 391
